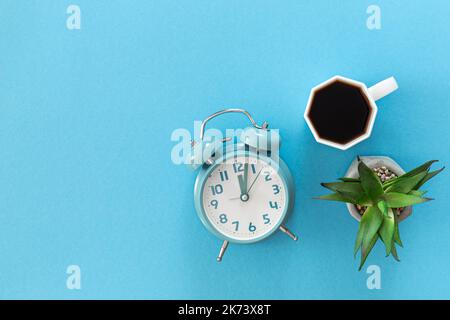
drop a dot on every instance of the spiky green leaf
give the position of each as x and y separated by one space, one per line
390 182
422 168
400 200
406 184
382 205
359 236
335 197
371 221
394 252
370 182
397 231
419 169
352 191
387 230
417 193
365 253
363 225
346 179
428 177
346 187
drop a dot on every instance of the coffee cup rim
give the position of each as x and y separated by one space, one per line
370 121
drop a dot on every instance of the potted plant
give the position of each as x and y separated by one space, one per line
380 194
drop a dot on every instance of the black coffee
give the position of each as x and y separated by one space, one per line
339 112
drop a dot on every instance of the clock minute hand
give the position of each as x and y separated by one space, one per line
254 180
246 177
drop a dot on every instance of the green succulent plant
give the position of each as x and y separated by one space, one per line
381 200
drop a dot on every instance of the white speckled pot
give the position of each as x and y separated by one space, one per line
373 162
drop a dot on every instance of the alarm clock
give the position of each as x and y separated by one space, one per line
243 192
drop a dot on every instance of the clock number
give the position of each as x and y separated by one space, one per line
238 167
276 189
251 227
223 218
236 223
217 189
266 218
273 205
223 175
214 203
267 176
253 168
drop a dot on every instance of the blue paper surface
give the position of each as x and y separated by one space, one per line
86 116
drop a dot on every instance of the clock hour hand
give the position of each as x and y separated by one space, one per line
242 184
243 187
246 177
243 180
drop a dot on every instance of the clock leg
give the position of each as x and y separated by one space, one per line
289 233
222 250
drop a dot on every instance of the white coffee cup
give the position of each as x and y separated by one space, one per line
372 94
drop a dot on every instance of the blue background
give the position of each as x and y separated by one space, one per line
86 117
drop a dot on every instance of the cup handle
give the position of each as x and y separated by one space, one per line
383 88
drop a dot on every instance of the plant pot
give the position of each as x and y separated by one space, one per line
374 162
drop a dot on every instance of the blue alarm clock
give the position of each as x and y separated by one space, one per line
244 192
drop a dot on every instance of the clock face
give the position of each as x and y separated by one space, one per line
244 210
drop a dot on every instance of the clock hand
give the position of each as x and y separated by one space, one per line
243 187
254 180
242 184
246 177
243 180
